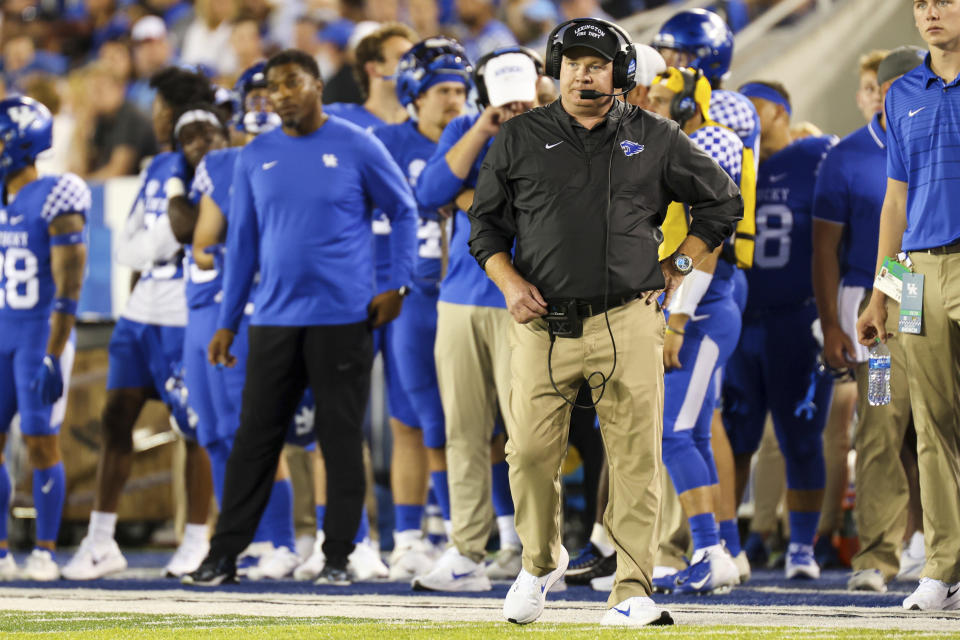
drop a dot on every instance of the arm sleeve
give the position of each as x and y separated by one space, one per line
437 186
243 250
492 219
693 178
896 164
831 200
390 192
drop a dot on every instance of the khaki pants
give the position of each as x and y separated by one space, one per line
473 373
882 490
933 362
631 422
674 528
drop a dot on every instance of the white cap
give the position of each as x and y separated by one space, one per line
149 28
650 64
511 77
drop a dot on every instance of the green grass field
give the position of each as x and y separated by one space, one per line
104 626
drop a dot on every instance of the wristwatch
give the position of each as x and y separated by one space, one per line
403 291
682 263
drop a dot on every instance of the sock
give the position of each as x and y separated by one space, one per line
279 515
448 529
508 532
321 511
363 531
409 517
730 535
502 499
5 495
803 526
102 526
442 490
218 452
704 530
195 534
598 536
49 489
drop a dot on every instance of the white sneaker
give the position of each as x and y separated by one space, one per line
525 600
913 558
410 558
801 563
743 566
250 557
453 572
638 611
365 562
305 546
41 566
94 560
933 595
662 571
312 566
187 558
506 565
8 567
867 580
275 566
711 571
603 583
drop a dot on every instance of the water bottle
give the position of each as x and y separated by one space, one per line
878 392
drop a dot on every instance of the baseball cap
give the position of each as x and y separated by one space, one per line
149 28
900 61
650 64
511 77
592 35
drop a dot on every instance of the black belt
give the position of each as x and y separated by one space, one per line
595 306
944 250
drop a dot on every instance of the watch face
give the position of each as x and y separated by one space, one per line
683 263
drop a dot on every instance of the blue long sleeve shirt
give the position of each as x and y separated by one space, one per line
301 212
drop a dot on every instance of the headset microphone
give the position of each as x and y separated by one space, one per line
590 94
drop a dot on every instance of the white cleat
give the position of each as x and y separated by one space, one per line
411 558
603 583
743 566
933 595
8 567
186 559
525 600
801 563
506 565
251 556
310 568
867 580
638 611
912 559
663 571
41 566
453 572
94 560
279 564
365 562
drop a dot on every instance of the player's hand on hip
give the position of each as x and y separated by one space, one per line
838 348
524 301
672 343
49 380
872 323
672 281
219 350
385 308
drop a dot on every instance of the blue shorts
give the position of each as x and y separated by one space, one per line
397 403
413 339
23 345
217 419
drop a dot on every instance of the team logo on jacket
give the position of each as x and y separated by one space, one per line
330 160
630 148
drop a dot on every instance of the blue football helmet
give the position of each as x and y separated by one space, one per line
255 120
702 34
429 62
26 129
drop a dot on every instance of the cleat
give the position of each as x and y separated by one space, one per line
506 565
711 572
801 563
212 573
453 572
94 560
41 566
913 558
410 559
8 567
310 569
279 564
590 563
638 611
933 595
365 563
251 556
867 580
526 598
187 559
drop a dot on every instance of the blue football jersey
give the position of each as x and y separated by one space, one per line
781 273
27 288
411 150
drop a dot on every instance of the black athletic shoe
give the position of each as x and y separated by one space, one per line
212 573
590 564
334 574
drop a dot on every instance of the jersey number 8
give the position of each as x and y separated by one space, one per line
773 241
21 288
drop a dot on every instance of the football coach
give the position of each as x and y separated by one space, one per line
566 221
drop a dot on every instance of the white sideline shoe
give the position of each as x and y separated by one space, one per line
312 566
933 595
638 611
801 563
8 567
41 566
365 562
506 565
453 572
275 566
410 558
186 559
913 558
94 560
526 598
251 557
867 580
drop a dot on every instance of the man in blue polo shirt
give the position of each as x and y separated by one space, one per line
846 213
919 217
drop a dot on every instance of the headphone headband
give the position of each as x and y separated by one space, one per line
624 62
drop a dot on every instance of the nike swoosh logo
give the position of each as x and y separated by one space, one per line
622 612
699 585
47 487
915 112
270 165
16 220
460 576
696 318
952 592
777 178
551 146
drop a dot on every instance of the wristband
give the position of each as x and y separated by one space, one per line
65 306
690 292
679 332
67 239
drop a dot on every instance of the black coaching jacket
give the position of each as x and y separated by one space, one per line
547 183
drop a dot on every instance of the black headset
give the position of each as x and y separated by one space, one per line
684 105
481 67
624 63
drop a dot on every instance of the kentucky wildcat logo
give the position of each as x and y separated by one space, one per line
631 148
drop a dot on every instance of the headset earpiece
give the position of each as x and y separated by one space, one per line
683 107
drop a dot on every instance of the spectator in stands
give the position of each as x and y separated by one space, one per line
21 57
46 88
117 136
207 40
571 9
424 17
382 10
152 51
482 31
532 20
247 45
177 16
869 100
339 83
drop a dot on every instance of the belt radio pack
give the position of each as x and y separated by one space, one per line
563 320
